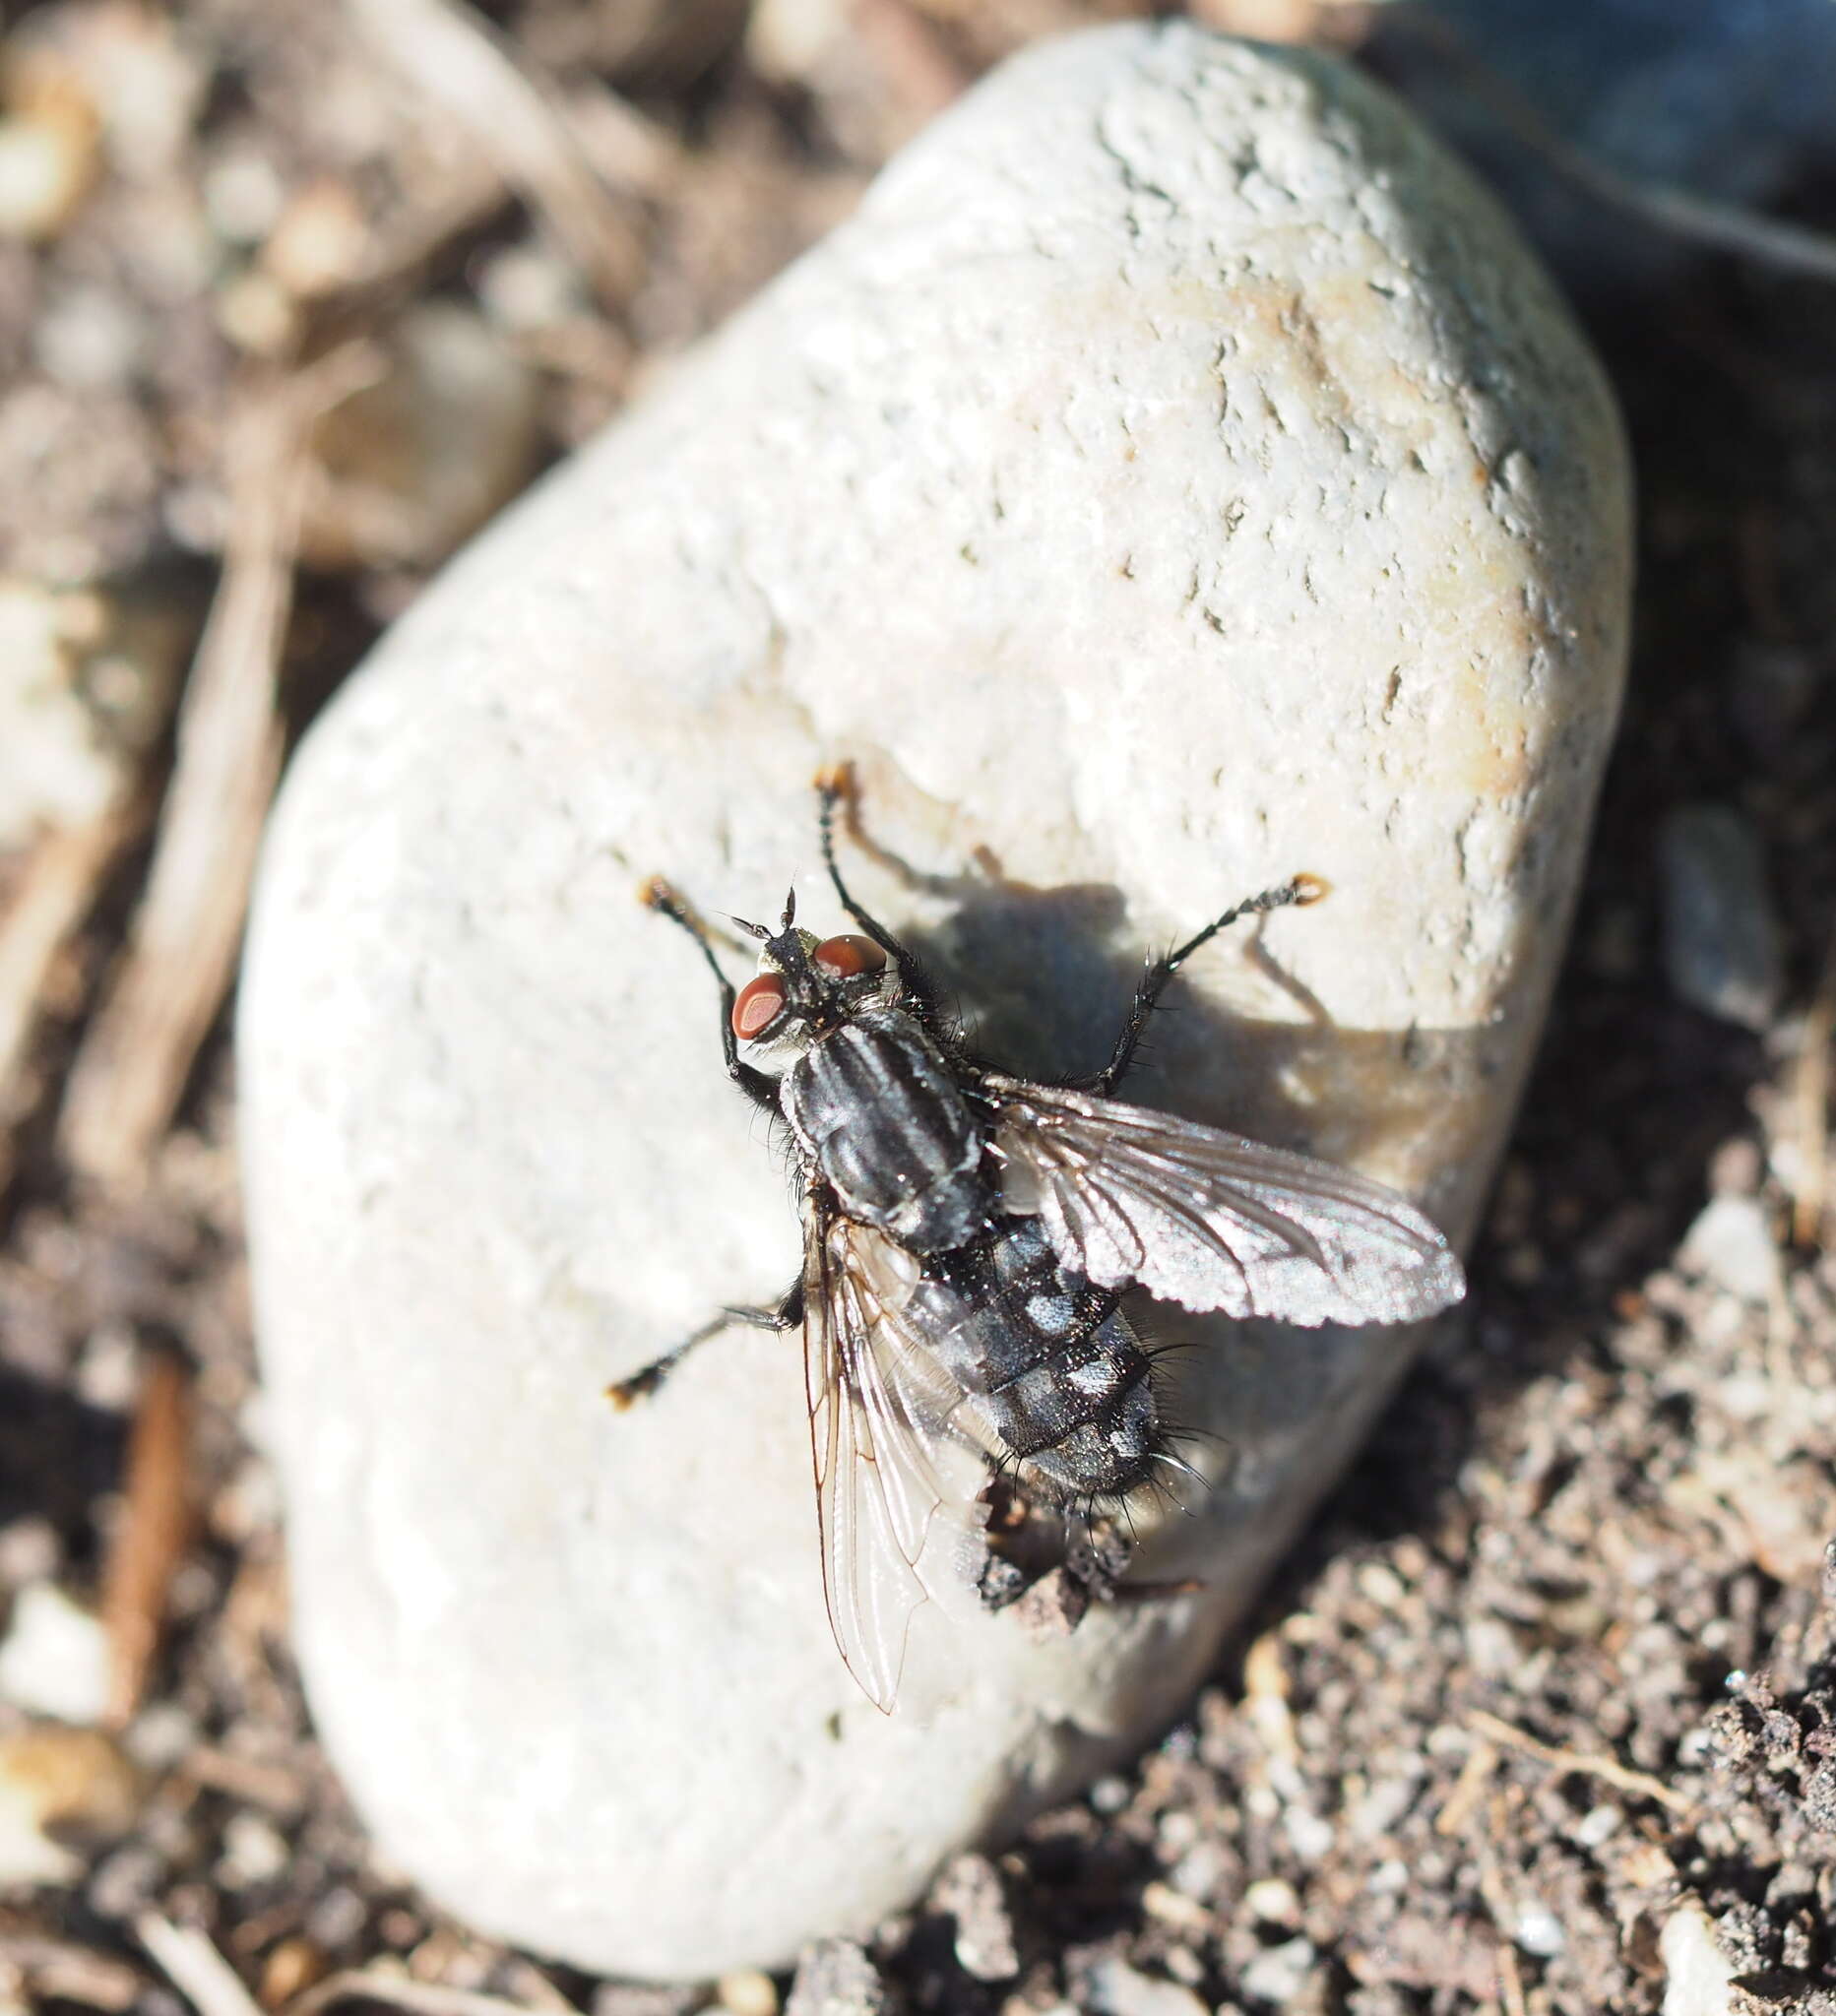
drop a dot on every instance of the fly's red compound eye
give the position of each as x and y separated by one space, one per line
849 957
758 1005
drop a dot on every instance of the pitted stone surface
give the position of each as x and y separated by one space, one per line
1175 478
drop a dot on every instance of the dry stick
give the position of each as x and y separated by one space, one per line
194 1968
419 1998
1608 1769
131 1071
56 892
444 50
1810 1101
1726 225
61 1971
150 1536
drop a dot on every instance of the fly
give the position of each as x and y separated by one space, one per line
967 1235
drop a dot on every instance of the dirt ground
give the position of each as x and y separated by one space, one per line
1543 1714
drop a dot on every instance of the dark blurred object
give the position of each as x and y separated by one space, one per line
654 45
1728 100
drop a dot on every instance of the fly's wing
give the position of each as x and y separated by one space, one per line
1214 1221
878 1422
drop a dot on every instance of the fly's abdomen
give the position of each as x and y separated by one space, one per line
1048 1361
876 1108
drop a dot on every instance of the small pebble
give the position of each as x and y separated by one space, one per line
1309 1835
46 166
54 1658
1114 1989
288 1971
30 1551
243 195
127 1881
254 1852
1598 1826
1730 1244
1201 1871
1721 936
746 1992
320 242
1539 1932
970 1891
1273 1901
89 338
835 1978
1699 1980
337 1918
1279 1975
161 1735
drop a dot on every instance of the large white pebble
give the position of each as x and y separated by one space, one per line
1176 477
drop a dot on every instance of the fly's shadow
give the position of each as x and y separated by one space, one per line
1041 978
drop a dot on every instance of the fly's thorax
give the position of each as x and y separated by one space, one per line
1048 1363
874 1104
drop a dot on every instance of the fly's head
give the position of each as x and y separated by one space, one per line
807 985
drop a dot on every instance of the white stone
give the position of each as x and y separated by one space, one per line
54 1656
1175 478
1697 1979
1731 1243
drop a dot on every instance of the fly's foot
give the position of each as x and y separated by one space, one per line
624 1394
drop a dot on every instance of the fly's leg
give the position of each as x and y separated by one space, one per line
832 787
787 1314
1303 889
758 1086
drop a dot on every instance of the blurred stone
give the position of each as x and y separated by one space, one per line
73 1779
54 1656
55 768
1731 1243
970 1891
1724 98
1721 937
320 240
48 133
44 170
1176 477
837 1979
1114 1989
416 462
746 1992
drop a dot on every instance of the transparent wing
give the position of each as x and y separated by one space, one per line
879 1418
1212 1221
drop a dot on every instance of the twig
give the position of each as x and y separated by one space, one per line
419 1998
57 887
445 50
1728 226
1640 1783
1811 1102
1482 1760
1510 1979
150 1536
194 1968
129 1075
273 1787
56 1969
